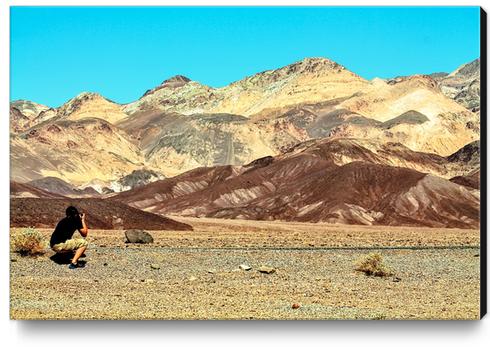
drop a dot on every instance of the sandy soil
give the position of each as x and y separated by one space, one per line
196 275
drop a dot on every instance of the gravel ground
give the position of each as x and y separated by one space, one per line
194 276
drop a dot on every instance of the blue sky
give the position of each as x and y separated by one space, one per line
120 52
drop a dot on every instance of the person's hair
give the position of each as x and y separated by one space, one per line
72 211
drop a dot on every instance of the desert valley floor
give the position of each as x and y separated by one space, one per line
196 274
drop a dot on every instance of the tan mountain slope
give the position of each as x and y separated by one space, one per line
310 80
463 85
18 121
75 151
91 105
23 114
448 126
26 114
177 143
337 181
28 108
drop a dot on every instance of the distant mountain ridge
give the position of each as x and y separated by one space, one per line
181 124
330 180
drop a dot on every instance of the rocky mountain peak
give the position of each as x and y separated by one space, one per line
88 96
77 102
28 108
176 81
314 64
173 82
468 70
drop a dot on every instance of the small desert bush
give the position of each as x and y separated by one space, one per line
28 241
372 265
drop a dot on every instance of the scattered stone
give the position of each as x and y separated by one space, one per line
155 266
192 278
266 269
105 264
13 260
295 306
149 281
244 267
211 271
396 279
476 255
138 236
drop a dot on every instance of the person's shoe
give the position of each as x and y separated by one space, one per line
81 264
72 266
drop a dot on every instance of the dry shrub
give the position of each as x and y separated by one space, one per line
372 265
29 241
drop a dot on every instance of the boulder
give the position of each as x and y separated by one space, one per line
138 236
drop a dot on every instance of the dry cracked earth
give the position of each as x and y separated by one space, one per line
196 274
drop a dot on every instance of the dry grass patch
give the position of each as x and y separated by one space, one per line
28 241
373 265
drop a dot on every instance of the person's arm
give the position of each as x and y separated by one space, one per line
84 230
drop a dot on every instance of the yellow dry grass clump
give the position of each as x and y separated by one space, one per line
28 241
372 265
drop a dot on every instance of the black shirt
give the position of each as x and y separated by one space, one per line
64 230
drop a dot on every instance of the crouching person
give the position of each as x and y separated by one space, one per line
62 241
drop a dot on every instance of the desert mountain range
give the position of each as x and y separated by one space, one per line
311 141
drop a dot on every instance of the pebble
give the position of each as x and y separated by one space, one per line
155 266
266 269
244 267
192 278
295 306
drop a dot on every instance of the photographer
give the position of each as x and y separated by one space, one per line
61 239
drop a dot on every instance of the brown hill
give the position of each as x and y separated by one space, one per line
101 214
58 186
338 181
471 180
22 190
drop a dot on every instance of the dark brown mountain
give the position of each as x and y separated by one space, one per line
31 206
101 214
331 180
471 180
23 190
58 186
